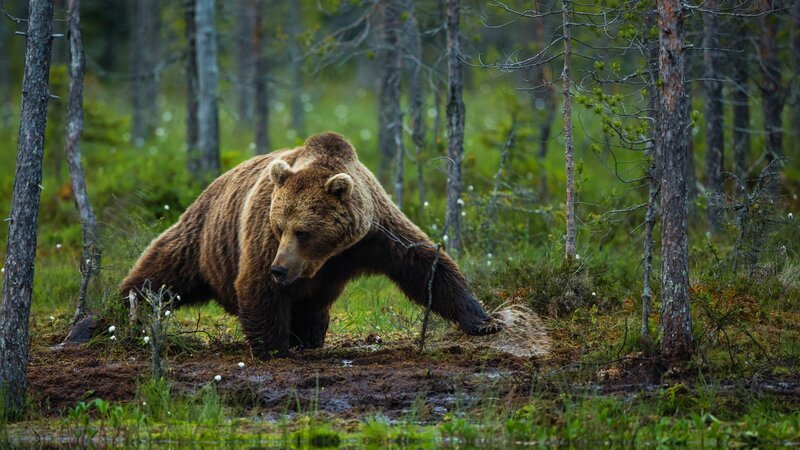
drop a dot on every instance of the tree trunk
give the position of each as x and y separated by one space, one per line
21 246
771 87
414 57
246 56
676 320
261 86
455 126
691 166
741 111
296 69
5 70
653 179
145 26
543 98
207 79
90 258
569 250
389 122
795 46
193 161
714 115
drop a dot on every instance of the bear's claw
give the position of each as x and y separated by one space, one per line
488 326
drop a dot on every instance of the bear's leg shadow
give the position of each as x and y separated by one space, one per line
266 317
309 327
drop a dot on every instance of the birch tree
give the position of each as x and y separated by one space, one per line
569 248
455 125
676 321
22 223
90 257
207 81
193 159
413 56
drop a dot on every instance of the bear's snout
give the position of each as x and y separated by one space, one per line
279 273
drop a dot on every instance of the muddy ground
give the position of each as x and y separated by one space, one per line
349 378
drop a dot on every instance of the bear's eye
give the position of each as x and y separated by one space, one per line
301 235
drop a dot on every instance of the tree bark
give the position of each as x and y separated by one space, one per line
676 321
246 55
653 180
771 87
455 125
145 27
207 80
193 162
90 258
389 121
21 246
296 69
569 248
741 111
714 115
261 86
414 57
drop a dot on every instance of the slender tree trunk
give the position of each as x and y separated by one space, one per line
389 124
21 246
415 93
90 258
296 69
207 80
544 93
455 125
569 250
145 27
193 160
676 320
246 56
653 180
771 87
714 114
261 86
691 165
741 112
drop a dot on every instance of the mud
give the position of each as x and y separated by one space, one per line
351 378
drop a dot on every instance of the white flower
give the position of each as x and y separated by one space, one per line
217 378
463 214
166 207
489 255
52 318
167 313
791 216
470 188
169 413
178 297
594 294
144 403
3 270
488 263
445 238
58 246
146 339
113 338
434 227
240 365
112 329
460 202
426 204
577 256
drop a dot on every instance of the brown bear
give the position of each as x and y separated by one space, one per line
276 239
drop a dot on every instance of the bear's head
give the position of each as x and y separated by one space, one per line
317 211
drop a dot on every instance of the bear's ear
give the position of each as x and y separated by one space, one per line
279 171
340 185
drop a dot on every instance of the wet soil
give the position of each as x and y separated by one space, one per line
351 378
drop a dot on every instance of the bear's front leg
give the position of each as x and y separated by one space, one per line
309 327
266 318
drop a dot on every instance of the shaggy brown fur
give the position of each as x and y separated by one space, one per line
276 239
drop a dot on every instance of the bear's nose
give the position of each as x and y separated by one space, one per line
279 272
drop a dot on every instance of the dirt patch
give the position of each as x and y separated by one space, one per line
350 378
